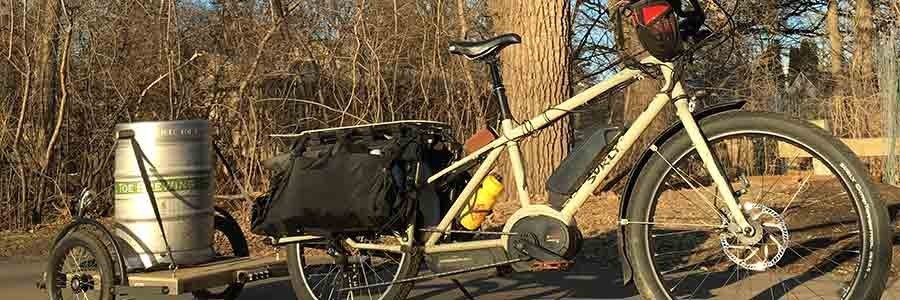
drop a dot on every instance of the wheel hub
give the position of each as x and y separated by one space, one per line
764 246
82 283
752 236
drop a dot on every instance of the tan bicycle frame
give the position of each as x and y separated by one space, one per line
511 133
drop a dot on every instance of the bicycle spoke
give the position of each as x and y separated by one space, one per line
805 180
684 251
760 199
741 290
691 185
695 267
337 277
689 200
336 280
678 224
782 280
75 262
323 279
803 285
657 235
376 273
812 203
731 275
694 292
838 250
816 267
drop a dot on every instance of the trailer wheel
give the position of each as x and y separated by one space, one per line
80 267
226 227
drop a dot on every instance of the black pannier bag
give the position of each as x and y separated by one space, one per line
355 180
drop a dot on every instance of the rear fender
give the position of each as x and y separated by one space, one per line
673 130
116 256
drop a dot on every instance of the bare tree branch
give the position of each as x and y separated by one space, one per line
342 112
12 29
163 76
64 91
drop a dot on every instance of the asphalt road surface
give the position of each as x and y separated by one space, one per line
584 281
17 281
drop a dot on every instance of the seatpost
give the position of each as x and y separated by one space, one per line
498 89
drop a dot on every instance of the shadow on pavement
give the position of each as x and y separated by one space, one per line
274 289
595 275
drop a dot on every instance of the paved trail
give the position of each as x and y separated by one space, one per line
585 281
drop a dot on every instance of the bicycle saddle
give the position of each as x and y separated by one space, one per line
478 49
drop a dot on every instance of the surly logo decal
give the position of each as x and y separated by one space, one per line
604 163
609 157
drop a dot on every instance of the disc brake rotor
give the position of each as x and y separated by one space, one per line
765 247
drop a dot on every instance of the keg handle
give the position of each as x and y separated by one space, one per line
86 198
139 156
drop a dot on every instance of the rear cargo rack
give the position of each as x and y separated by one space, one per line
437 126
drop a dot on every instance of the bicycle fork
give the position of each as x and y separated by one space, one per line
709 161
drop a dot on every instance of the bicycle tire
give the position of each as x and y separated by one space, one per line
297 260
61 253
875 254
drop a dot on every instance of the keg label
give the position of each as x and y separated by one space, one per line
171 184
176 132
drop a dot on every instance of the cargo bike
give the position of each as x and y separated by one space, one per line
724 203
360 209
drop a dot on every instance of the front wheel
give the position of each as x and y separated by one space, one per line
820 230
323 270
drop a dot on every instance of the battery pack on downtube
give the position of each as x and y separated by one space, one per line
577 166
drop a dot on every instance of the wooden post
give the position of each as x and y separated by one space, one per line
819 168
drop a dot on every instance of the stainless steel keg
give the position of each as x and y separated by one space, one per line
180 165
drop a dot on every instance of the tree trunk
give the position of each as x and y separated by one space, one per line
46 70
46 83
834 38
537 77
836 44
461 16
863 55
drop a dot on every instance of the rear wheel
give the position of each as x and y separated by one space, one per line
820 230
322 270
80 267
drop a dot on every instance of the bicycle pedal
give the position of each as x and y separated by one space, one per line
552 265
